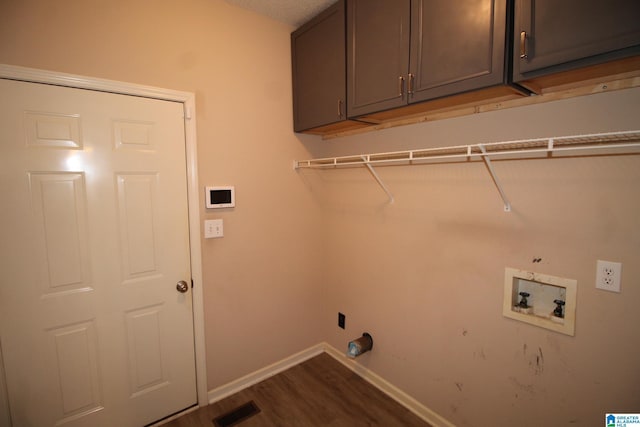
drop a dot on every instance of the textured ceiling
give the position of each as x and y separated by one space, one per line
292 12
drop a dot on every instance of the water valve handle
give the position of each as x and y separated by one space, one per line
523 302
558 310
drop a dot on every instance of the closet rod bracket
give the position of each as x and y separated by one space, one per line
494 177
367 162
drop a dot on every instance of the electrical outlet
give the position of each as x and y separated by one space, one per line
341 320
608 275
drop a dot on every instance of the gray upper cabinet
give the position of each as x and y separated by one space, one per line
368 62
318 67
456 46
553 36
377 54
403 52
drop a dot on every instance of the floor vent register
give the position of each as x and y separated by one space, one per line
237 415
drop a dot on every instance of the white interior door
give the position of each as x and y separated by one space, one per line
94 239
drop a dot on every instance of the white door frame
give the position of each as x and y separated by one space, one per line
11 72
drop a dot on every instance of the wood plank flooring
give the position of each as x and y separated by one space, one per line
318 392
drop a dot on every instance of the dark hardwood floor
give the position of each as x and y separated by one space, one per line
318 392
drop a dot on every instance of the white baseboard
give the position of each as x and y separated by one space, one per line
374 379
264 373
389 389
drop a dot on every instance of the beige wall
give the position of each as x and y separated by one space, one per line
262 291
424 276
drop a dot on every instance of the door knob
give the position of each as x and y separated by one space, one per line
182 286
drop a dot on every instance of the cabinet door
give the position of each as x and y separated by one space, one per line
318 61
553 33
456 46
377 55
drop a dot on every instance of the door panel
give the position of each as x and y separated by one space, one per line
92 328
59 207
52 130
136 200
75 348
147 363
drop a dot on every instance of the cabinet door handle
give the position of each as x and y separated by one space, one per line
410 85
339 108
523 45
401 87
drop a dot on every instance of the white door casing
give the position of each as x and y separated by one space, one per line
82 213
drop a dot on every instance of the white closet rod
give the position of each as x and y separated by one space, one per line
626 142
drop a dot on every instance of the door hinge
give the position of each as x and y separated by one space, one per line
187 113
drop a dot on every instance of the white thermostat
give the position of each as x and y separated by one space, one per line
220 197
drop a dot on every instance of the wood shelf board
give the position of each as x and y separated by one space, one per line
343 126
612 83
613 70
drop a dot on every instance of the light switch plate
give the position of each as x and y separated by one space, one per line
213 229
